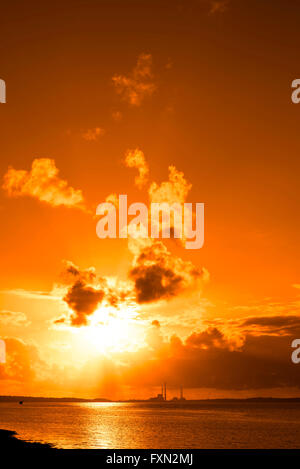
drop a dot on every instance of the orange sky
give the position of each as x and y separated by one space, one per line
204 86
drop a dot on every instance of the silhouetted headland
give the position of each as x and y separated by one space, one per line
9 442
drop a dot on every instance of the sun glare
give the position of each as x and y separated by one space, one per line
113 332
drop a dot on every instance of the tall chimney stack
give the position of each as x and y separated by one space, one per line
165 397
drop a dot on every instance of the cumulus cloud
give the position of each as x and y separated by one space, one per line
85 290
169 197
209 338
158 274
83 300
175 190
172 195
136 86
43 183
136 159
84 293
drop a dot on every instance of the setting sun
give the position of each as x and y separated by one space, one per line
110 331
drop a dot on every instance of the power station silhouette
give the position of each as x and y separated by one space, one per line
162 397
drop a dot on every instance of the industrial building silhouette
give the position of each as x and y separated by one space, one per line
162 397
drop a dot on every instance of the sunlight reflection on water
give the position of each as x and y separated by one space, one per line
149 425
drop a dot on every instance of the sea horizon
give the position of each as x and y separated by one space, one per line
9 398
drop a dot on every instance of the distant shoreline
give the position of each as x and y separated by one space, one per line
25 399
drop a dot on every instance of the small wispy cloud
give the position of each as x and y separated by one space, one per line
32 295
91 135
218 6
138 84
136 159
113 199
117 116
13 318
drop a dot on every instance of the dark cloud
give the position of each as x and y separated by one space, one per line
213 358
85 291
276 324
83 300
209 338
84 294
154 282
72 272
209 360
159 275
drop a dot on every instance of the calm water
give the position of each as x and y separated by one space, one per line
153 425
